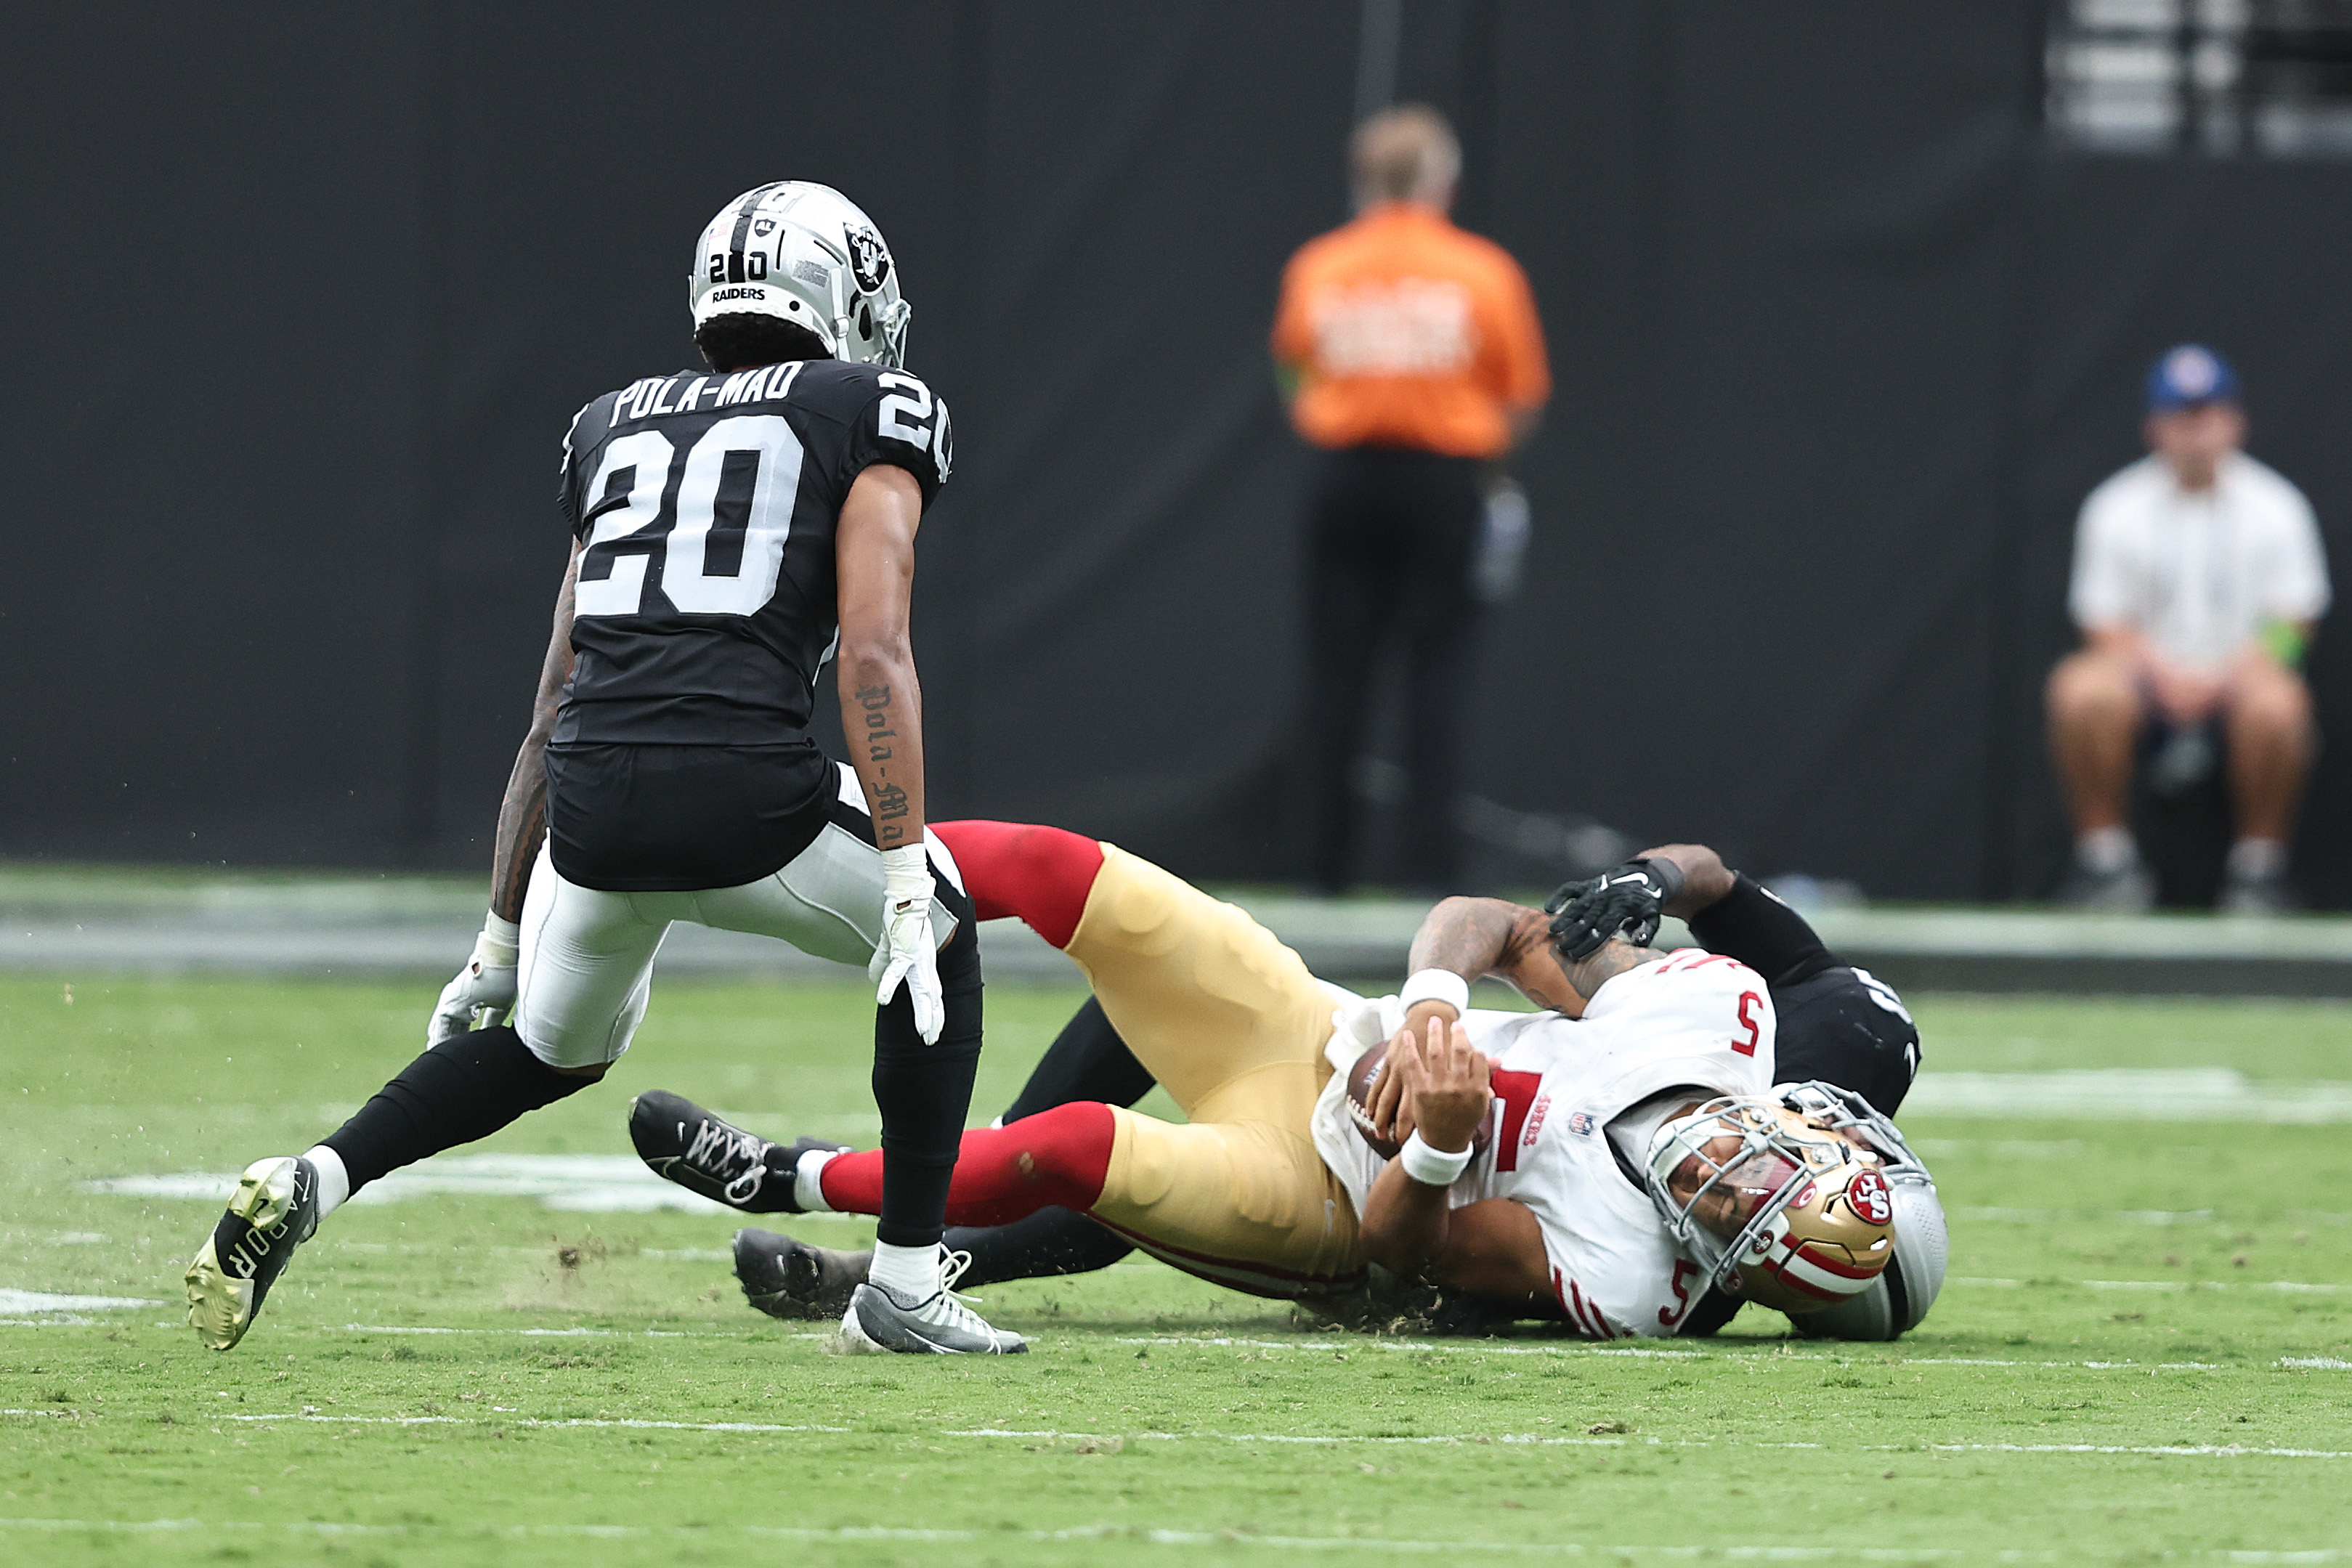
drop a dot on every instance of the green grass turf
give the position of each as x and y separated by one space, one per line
1152 1404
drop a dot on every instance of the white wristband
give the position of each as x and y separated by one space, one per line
1429 1166
1436 985
906 875
501 939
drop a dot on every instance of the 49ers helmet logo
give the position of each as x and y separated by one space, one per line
1871 1202
869 259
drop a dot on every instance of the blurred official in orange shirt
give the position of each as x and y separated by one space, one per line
1413 358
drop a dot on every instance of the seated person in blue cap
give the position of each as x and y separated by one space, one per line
2199 578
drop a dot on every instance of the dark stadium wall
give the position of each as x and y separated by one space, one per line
2138 255
302 309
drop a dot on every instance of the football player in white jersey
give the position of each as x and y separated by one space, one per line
1846 1051
1630 1151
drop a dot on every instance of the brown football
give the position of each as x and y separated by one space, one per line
1360 1099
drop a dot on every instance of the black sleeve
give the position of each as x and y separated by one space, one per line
588 426
902 423
1750 924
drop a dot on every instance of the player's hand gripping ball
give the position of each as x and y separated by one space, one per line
1386 1134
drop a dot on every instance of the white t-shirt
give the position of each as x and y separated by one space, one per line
1696 1019
2197 573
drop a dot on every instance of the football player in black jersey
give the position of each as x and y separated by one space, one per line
1847 1051
732 531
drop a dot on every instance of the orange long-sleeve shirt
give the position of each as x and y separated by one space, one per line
1408 331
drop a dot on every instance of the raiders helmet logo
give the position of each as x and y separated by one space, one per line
1867 1192
869 262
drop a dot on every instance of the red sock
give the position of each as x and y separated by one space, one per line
1055 1159
1042 874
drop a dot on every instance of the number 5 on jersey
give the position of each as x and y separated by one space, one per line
717 526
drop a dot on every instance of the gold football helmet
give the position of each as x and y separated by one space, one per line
1804 1217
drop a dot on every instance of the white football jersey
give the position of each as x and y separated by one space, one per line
1695 1019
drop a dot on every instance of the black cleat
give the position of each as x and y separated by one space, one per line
686 1143
275 1210
793 1281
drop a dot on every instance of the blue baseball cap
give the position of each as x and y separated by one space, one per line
2188 376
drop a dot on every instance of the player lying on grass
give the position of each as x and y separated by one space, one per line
1846 1047
731 532
1838 1029
1628 1152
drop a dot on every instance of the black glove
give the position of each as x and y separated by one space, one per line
1622 902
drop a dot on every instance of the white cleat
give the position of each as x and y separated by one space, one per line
880 1319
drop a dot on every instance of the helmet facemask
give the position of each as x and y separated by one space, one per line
1748 1187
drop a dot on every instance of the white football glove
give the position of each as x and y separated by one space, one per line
485 986
907 952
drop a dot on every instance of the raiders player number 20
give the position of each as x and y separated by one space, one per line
733 529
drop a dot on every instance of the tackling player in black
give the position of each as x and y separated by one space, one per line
733 529
1839 1026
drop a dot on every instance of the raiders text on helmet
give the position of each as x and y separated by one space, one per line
804 254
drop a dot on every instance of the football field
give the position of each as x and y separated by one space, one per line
2145 1349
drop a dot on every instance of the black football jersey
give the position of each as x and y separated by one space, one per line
707 505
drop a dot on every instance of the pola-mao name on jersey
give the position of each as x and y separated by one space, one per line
706 505
1697 1019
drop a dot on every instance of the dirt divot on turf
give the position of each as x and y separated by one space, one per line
573 1275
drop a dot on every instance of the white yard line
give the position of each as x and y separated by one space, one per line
1764 1354
1128 1534
1546 1440
558 1333
12 1300
501 1417
1568 1347
2290 1287
2145 1094
1123 1534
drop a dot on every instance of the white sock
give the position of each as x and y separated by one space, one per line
2254 860
334 1181
2106 850
808 1190
912 1273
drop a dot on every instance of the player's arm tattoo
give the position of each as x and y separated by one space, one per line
1611 960
881 697
523 812
1478 937
879 710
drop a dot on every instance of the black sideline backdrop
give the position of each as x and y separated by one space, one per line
300 306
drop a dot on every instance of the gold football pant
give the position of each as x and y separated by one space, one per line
1232 1026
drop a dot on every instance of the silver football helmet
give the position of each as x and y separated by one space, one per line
804 254
1749 1188
1899 1299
